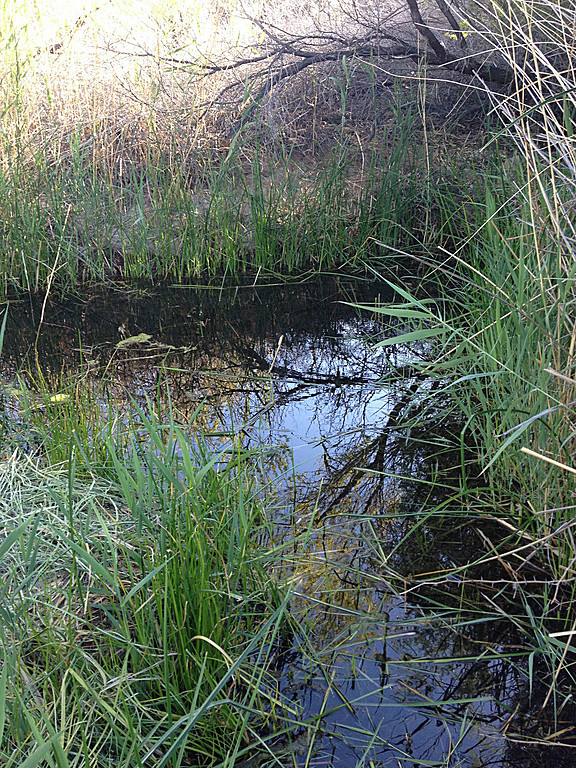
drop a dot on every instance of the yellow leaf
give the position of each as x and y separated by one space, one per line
59 398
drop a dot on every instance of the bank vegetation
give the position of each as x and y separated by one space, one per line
188 142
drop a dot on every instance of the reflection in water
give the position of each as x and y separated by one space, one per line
291 368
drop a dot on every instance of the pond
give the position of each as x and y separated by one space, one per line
339 431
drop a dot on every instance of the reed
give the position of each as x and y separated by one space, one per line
112 166
140 623
501 345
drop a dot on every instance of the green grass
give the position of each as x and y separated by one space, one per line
101 182
498 319
281 216
139 617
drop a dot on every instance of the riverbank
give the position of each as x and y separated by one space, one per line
115 167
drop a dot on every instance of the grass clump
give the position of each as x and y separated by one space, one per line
501 317
139 622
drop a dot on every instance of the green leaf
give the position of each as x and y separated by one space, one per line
399 311
142 583
516 433
3 328
87 558
37 757
12 537
406 338
3 681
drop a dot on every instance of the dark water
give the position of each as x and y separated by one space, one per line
295 369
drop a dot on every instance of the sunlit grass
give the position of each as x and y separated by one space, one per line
115 163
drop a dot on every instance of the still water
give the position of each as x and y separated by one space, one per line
295 369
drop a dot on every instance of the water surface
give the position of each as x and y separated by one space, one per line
297 370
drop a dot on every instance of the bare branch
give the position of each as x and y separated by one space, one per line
426 32
451 19
367 36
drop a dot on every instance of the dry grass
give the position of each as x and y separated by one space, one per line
121 157
123 84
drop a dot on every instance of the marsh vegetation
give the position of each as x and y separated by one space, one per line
175 590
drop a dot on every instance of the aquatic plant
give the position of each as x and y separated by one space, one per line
145 180
502 345
139 622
